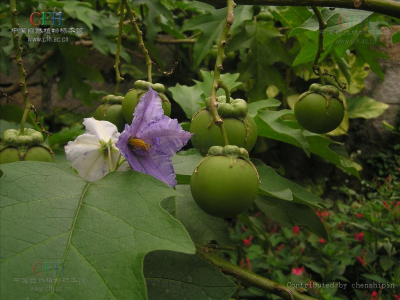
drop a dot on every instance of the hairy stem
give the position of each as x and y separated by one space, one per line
225 34
119 39
21 70
322 25
131 15
386 7
250 278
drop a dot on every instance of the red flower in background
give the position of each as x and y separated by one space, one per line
247 242
360 237
386 205
340 225
279 248
361 261
360 215
322 241
374 295
296 230
298 271
397 297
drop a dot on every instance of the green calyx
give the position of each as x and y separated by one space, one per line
326 91
231 151
235 108
134 95
29 146
112 99
144 85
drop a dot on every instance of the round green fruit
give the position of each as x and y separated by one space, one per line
133 97
205 136
224 191
111 113
316 114
27 146
265 16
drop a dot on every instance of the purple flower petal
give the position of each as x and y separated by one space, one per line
167 136
148 110
164 135
154 163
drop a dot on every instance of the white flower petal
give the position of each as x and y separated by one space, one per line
92 166
104 130
83 145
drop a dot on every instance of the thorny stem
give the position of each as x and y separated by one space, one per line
250 278
131 15
119 38
21 70
322 25
225 34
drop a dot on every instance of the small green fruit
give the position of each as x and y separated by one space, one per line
29 146
320 110
223 189
133 97
207 134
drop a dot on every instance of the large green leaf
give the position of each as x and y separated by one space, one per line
210 25
274 185
202 227
271 125
177 276
292 17
396 37
208 77
254 107
156 9
73 74
364 107
83 12
192 98
184 164
91 237
291 214
188 97
266 49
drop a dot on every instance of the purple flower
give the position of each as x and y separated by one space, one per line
152 139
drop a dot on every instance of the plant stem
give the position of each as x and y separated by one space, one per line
322 26
250 278
131 15
386 7
21 70
225 34
119 39
227 93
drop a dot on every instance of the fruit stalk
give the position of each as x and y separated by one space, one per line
119 38
131 15
218 67
322 25
250 278
21 70
227 93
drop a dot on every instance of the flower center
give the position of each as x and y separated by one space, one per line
139 144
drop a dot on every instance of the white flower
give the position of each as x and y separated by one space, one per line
94 154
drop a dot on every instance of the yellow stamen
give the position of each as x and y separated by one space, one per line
139 144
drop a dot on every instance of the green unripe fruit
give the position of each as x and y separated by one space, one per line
28 146
320 110
224 191
111 110
265 16
206 136
9 155
38 153
111 113
133 97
